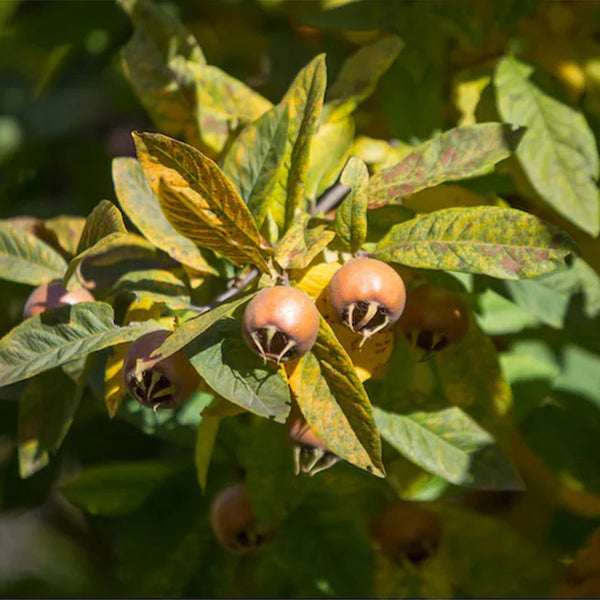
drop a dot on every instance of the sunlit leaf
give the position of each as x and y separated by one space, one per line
103 220
62 335
558 152
302 242
114 390
198 199
456 154
335 404
26 259
359 75
499 242
351 215
233 371
163 285
67 229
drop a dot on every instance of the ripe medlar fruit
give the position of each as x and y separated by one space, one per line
53 295
407 531
233 522
434 317
168 383
280 323
311 455
367 294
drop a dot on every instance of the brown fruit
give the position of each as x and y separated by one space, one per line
280 323
168 383
233 522
367 295
434 317
53 295
407 531
311 455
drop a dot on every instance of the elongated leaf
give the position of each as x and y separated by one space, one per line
302 242
62 335
155 61
558 153
116 488
351 215
450 444
141 205
256 164
26 259
205 442
105 219
163 285
67 229
456 154
359 76
234 372
335 404
500 242
198 200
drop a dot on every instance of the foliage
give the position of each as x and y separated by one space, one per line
265 143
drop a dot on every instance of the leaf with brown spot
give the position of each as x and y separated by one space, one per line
351 214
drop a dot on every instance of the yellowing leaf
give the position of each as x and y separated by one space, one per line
199 201
105 219
114 390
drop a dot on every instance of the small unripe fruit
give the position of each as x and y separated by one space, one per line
168 383
367 295
407 531
434 317
53 295
311 455
280 323
233 522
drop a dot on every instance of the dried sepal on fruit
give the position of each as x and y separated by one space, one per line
233 522
368 295
53 295
433 318
168 383
280 323
311 455
407 531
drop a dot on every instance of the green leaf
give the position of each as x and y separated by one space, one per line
450 444
163 285
500 242
67 230
351 215
335 404
115 488
302 242
456 154
156 63
62 335
46 409
359 75
558 153
233 371
205 442
198 199
141 205
103 220
26 259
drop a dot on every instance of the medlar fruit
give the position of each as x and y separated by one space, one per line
53 295
367 294
168 383
280 323
311 455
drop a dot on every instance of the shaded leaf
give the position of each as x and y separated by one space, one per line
359 75
198 200
205 442
26 259
67 229
115 488
302 242
456 154
141 205
62 335
499 242
335 404
233 371
163 285
558 152
103 220
351 215
450 444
